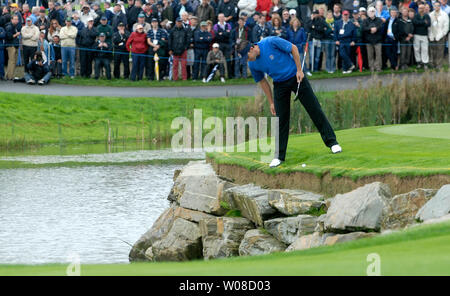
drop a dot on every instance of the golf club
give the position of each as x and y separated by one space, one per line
303 63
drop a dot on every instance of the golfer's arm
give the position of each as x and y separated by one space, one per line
267 90
296 56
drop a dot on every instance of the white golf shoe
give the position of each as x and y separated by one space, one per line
275 162
336 149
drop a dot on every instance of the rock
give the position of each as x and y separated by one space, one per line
341 238
182 243
288 229
359 210
308 241
252 201
161 227
320 223
438 220
294 202
257 242
436 207
197 187
222 236
403 208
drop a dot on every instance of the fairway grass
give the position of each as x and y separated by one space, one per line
401 150
422 250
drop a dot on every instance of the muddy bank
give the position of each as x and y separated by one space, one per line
326 184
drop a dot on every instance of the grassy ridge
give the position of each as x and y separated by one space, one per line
366 151
424 250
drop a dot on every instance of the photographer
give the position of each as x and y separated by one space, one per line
37 70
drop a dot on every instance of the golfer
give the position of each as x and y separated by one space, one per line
280 60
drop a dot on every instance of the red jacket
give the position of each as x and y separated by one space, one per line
263 5
138 42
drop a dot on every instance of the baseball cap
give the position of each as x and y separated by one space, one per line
103 18
154 19
179 19
215 45
244 13
361 9
90 19
14 5
292 11
120 25
203 23
141 15
102 35
68 19
345 12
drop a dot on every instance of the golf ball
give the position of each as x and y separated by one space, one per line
303 165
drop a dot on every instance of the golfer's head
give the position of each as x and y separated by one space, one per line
253 52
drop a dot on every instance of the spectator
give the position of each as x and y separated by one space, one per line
118 17
247 6
5 16
277 7
286 19
167 13
178 45
44 48
34 14
26 13
241 41
391 39
88 36
290 4
68 34
373 35
444 6
86 13
56 59
437 34
149 14
37 70
303 10
43 23
388 6
317 27
58 14
30 35
141 21
229 10
120 39
345 37
216 58
405 36
2 55
137 44
421 23
103 56
182 7
134 9
105 28
109 12
329 45
380 12
337 11
277 27
222 32
53 30
261 30
202 41
98 11
157 40
320 4
297 36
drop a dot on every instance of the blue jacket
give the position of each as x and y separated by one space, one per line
202 40
349 33
258 32
298 37
47 50
2 36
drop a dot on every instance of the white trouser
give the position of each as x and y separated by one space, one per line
421 48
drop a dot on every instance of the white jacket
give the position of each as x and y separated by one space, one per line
247 6
30 35
68 35
439 26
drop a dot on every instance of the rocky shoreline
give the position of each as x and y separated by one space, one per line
211 217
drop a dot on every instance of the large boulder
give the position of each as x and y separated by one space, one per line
258 242
161 227
182 243
436 207
359 210
403 208
197 187
252 201
288 229
313 240
294 202
221 236
342 238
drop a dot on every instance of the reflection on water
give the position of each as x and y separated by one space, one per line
46 214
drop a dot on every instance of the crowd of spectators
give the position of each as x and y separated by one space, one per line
188 38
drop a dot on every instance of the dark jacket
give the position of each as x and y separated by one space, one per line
80 27
349 34
395 29
2 38
228 9
421 24
371 23
244 44
102 52
205 13
222 36
107 29
177 9
120 40
317 27
298 38
117 19
132 15
202 40
259 32
178 40
405 27
87 37
163 41
10 31
38 72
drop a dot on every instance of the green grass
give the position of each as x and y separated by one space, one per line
403 150
424 250
145 83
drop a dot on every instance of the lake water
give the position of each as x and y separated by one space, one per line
50 214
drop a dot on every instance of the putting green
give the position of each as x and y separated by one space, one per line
432 130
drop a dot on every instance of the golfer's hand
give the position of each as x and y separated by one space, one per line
272 109
300 76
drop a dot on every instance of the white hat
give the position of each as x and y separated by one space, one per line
293 11
361 9
216 45
90 19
